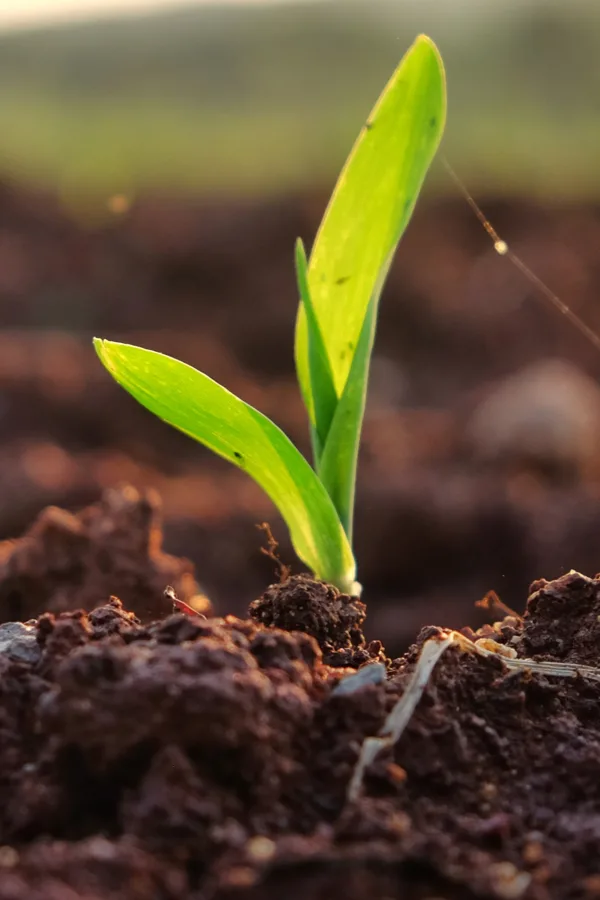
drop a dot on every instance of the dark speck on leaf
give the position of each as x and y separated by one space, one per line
432 122
237 455
343 279
369 125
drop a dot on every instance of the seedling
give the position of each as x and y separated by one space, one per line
339 295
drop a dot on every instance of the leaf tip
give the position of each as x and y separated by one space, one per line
103 348
430 48
300 253
424 40
426 43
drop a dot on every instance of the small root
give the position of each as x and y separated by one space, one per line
401 714
272 552
546 667
494 605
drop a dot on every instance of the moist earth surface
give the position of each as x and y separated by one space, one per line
149 754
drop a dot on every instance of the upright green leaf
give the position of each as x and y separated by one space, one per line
366 217
318 362
338 460
202 409
370 208
339 457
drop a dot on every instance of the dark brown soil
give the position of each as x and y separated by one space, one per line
335 620
66 561
210 759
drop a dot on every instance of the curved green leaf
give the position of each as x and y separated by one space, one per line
202 409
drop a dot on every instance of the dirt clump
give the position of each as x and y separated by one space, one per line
334 619
67 561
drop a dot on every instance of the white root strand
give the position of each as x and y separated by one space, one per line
432 650
401 714
556 669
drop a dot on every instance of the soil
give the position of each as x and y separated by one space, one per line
66 561
448 506
210 758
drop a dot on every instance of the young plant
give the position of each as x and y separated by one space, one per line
339 295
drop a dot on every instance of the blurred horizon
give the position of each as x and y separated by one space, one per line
28 14
265 96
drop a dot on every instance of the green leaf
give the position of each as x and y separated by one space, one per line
354 248
339 459
202 409
320 370
370 208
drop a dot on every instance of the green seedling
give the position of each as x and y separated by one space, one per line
339 291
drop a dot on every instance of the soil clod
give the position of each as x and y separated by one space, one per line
18 641
334 619
67 562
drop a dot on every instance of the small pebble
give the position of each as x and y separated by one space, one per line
260 849
508 882
9 857
372 673
488 790
240 877
533 853
19 642
396 773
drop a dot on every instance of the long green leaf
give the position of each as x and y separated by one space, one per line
366 217
202 409
370 208
320 370
339 458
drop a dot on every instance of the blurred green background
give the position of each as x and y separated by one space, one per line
262 98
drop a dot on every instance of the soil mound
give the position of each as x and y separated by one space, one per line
211 758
